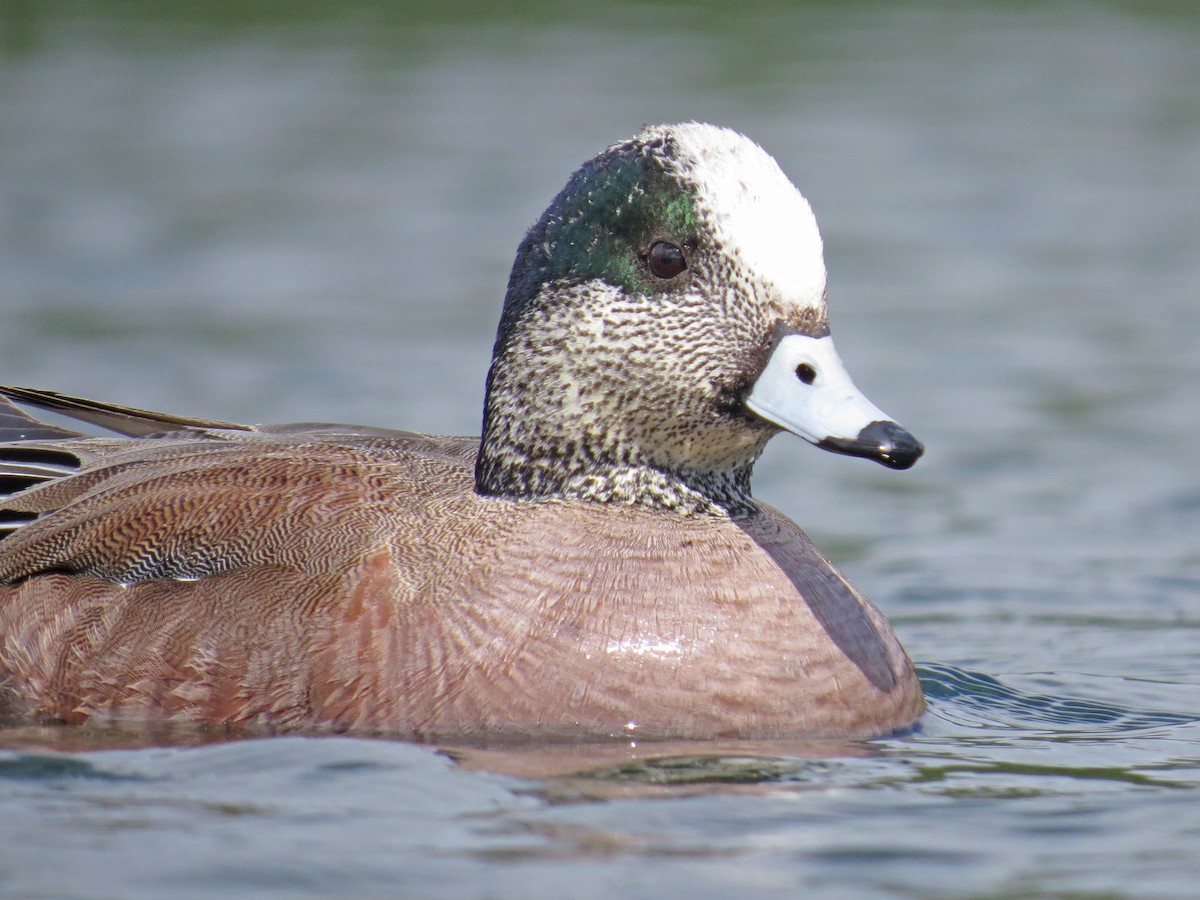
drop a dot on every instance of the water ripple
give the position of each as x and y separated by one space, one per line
973 699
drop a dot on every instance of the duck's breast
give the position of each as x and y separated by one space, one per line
580 618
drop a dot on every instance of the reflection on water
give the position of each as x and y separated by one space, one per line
269 212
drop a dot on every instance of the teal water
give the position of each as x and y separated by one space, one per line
307 211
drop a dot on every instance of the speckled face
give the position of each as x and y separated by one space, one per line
641 309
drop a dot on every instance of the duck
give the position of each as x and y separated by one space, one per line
594 565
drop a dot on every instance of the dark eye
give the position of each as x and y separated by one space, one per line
665 260
806 373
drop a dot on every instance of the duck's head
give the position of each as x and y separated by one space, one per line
664 318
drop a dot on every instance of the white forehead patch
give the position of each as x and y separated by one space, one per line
752 207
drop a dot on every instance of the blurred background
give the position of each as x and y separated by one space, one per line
306 211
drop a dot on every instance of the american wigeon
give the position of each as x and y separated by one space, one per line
594 565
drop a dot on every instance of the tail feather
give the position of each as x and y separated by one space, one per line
18 425
126 420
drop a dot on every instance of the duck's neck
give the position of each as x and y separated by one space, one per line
585 407
533 449
503 470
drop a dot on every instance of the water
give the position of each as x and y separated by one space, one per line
264 213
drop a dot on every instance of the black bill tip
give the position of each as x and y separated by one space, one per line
885 442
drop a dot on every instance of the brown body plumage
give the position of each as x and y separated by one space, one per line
358 582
